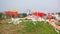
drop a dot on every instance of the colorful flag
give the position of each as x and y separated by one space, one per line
50 16
39 14
11 13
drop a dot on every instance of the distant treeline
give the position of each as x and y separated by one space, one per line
20 15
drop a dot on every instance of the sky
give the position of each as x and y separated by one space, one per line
23 5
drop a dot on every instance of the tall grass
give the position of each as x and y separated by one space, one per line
39 28
30 28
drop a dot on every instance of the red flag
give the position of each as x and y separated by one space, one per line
15 13
40 14
50 16
11 13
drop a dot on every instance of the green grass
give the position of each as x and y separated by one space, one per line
30 28
39 28
58 24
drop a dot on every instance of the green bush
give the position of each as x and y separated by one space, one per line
22 15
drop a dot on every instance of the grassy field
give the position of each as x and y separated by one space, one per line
27 27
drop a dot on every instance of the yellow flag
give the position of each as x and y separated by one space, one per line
15 10
33 10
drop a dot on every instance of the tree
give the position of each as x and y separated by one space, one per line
1 15
58 13
22 15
